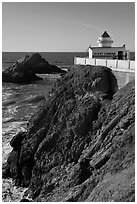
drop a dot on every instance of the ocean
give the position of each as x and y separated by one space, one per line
19 103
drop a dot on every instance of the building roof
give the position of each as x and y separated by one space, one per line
106 47
105 34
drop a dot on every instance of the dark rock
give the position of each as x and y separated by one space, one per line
16 141
25 69
24 200
79 145
14 167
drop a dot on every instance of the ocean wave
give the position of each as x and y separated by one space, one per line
13 127
10 192
7 120
33 99
9 129
8 103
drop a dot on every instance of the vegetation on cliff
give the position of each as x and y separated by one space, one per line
79 145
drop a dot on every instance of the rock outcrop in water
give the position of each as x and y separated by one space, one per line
25 69
79 146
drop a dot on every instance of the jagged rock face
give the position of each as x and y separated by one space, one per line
25 69
79 146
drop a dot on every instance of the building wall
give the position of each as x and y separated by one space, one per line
105 41
105 52
90 53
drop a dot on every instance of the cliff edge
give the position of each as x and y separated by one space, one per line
79 145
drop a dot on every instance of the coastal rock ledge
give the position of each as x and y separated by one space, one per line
26 68
79 145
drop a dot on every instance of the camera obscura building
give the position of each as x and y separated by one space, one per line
106 51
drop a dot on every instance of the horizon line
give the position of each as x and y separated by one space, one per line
54 51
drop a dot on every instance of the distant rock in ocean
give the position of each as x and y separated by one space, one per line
25 69
79 145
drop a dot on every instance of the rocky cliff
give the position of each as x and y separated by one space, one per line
79 146
25 69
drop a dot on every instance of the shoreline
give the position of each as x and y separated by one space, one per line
53 78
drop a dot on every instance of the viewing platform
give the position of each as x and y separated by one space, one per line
114 64
115 58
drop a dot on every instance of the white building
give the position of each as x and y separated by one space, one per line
106 51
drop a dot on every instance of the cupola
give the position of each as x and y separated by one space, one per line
105 40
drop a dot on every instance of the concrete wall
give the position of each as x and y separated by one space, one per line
111 63
124 70
90 61
78 60
123 77
101 61
132 65
123 64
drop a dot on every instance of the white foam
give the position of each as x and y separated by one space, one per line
8 131
11 193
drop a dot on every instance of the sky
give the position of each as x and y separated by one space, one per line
65 26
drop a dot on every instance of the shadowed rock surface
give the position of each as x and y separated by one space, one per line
25 69
79 146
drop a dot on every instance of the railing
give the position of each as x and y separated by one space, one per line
114 64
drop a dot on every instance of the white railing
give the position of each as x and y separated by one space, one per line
111 63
